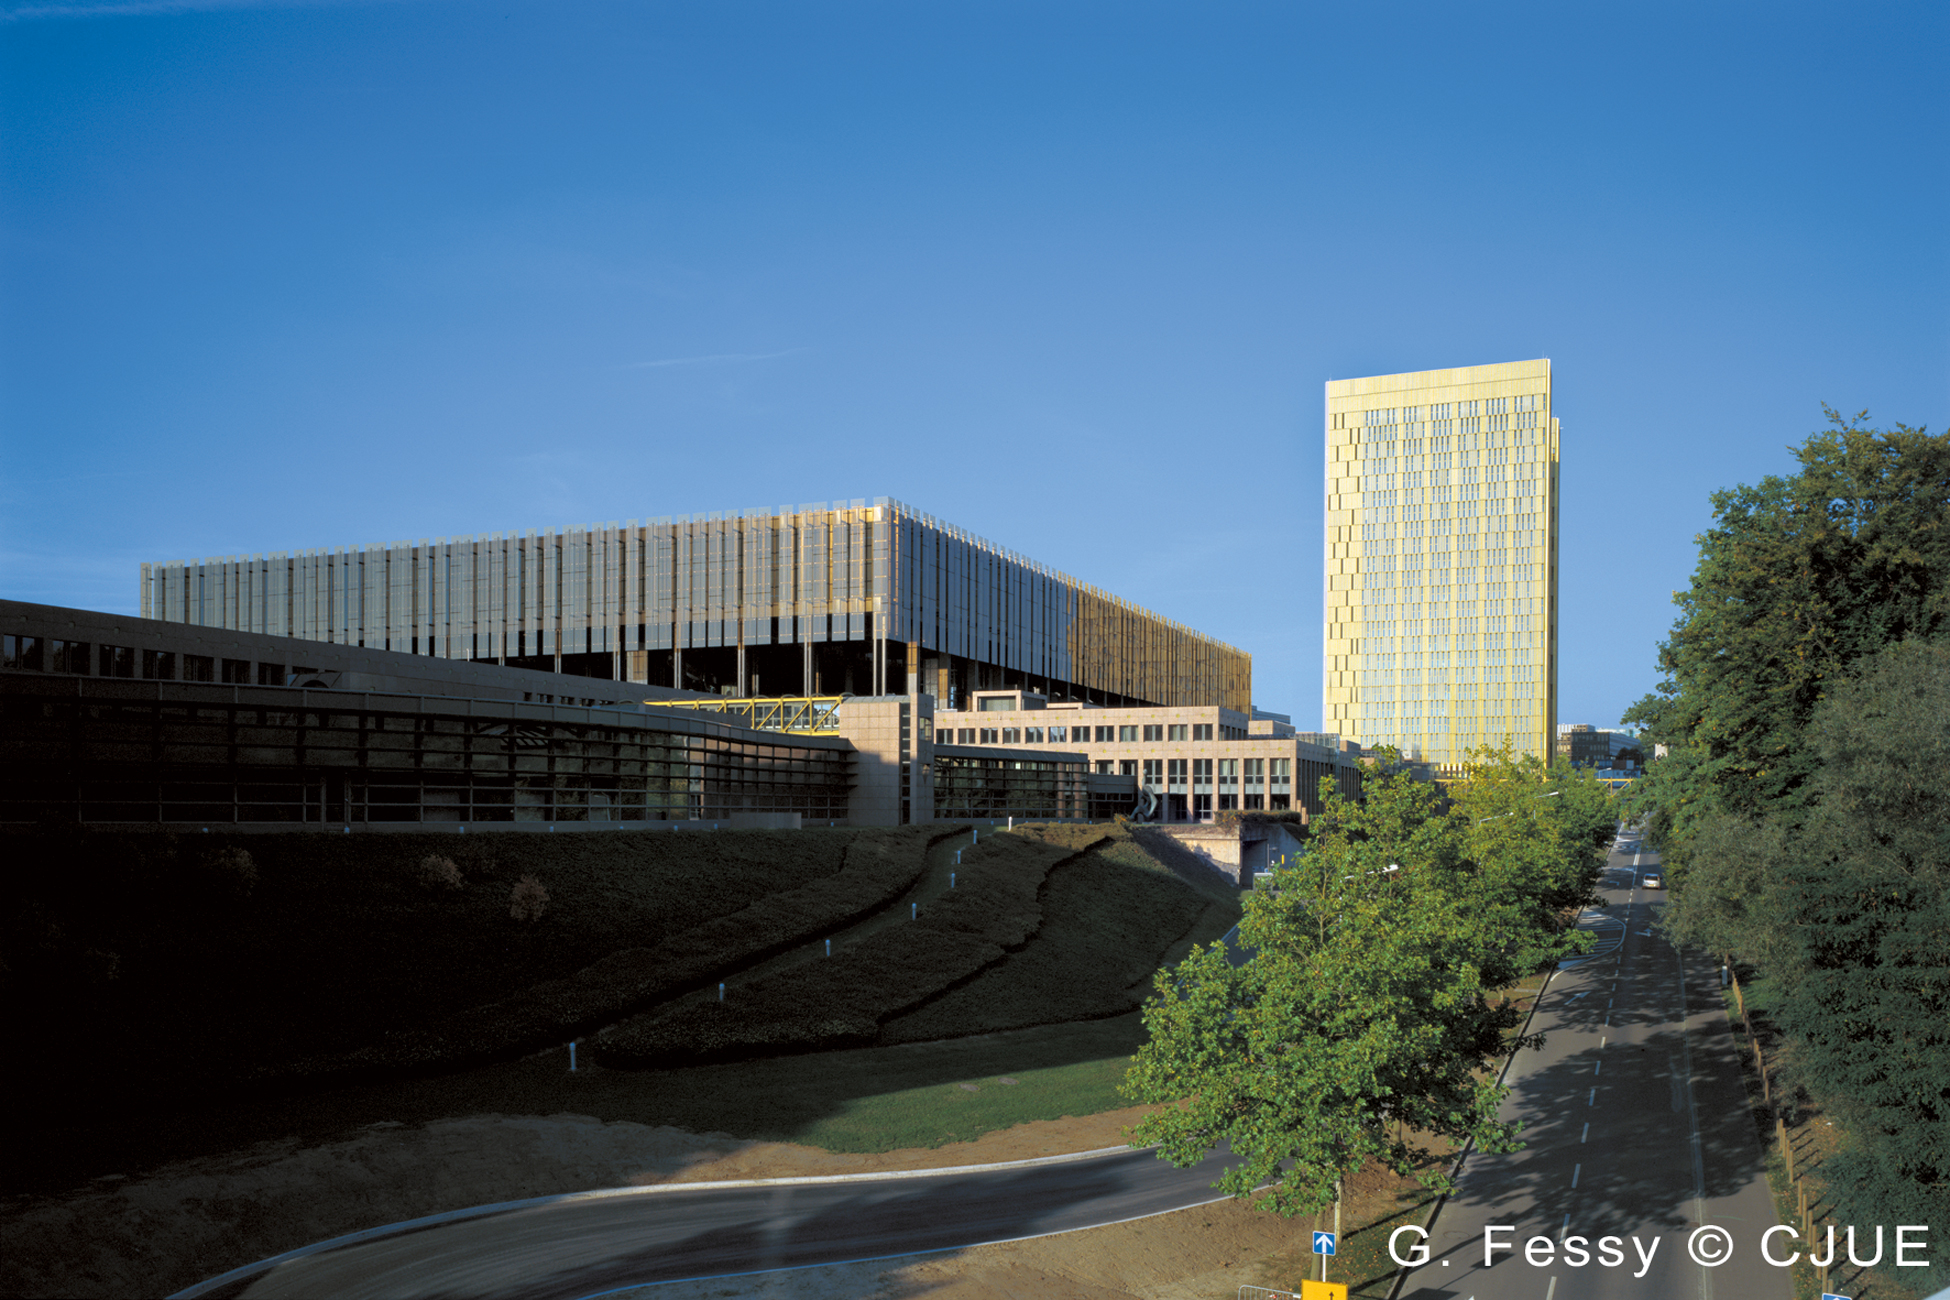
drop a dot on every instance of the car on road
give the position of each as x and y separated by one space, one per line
1652 880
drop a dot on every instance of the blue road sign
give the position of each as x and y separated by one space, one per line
1323 1243
1830 1295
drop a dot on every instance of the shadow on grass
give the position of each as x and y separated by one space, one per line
868 1099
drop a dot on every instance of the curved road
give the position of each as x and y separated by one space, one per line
589 1244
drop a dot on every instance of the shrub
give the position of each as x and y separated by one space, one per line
527 900
436 872
232 870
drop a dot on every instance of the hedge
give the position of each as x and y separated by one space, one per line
877 867
842 1001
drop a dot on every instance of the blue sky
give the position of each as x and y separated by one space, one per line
1069 275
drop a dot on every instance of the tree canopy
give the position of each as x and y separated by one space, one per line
1804 807
1368 1017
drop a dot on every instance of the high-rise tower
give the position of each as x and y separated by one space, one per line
1441 588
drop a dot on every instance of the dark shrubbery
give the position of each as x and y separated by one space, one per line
843 1001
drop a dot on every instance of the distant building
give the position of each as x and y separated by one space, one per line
1441 583
1587 746
1167 764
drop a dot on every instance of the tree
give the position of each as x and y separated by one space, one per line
1370 1011
1864 906
1799 578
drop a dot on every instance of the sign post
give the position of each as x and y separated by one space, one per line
1323 1247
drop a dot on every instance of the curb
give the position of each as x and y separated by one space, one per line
239 1274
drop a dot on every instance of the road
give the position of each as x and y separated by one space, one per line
1638 1128
587 1245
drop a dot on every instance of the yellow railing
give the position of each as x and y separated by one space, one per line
802 714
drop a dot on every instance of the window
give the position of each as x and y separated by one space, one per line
1011 735
1106 768
1154 773
1179 731
965 735
21 652
67 656
1032 735
1201 731
1127 735
1127 767
270 674
988 736
996 704
117 661
1202 773
1105 735
1177 771
1153 732
159 665
1255 772
1058 735
237 672
199 668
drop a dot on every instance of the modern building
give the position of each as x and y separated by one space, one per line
1441 556
1169 764
107 719
1588 746
854 598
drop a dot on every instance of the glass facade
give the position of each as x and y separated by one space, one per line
1441 585
115 751
823 599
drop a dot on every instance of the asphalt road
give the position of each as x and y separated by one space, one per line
583 1246
1637 1127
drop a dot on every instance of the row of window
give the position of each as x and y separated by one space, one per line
80 658
1152 733
1450 410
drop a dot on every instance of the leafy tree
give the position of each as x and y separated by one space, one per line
1865 897
1799 578
1369 1013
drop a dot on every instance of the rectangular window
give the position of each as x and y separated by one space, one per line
1106 768
1179 731
1255 771
1106 734
1228 772
116 661
988 736
1127 735
1011 736
67 656
1058 735
1002 704
1202 773
1154 773
159 665
1127 767
1032 735
1201 731
237 672
1177 770
21 652
199 668
965 735
1153 732
270 674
